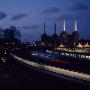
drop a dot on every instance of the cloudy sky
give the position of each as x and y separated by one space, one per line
28 16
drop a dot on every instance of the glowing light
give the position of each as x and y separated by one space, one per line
80 45
3 59
13 43
5 53
87 45
64 26
42 43
75 25
47 50
35 45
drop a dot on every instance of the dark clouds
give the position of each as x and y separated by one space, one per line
79 7
2 15
51 10
19 16
51 13
30 27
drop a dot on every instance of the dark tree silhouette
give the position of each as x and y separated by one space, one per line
11 33
11 36
1 34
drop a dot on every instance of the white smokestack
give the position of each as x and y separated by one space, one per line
75 25
64 25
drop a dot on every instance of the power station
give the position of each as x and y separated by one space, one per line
64 38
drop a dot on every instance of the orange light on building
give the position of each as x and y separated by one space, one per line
79 45
86 45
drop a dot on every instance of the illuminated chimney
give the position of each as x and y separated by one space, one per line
75 25
64 25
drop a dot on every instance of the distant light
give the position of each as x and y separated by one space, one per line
47 50
3 59
42 43
13 43
50 51
80 45
87 45
34 54
5 53
35 45
31 45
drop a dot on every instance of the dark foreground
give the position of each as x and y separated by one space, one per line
17 77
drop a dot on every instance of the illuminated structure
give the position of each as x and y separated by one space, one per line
79 45
87 45
64 34
49 40
44 37
83 46
54 38
75 34
64 38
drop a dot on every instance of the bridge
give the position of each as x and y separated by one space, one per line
58 72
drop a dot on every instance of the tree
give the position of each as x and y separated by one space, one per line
11 36
1 34
11 33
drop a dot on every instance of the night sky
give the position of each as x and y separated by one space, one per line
28 16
